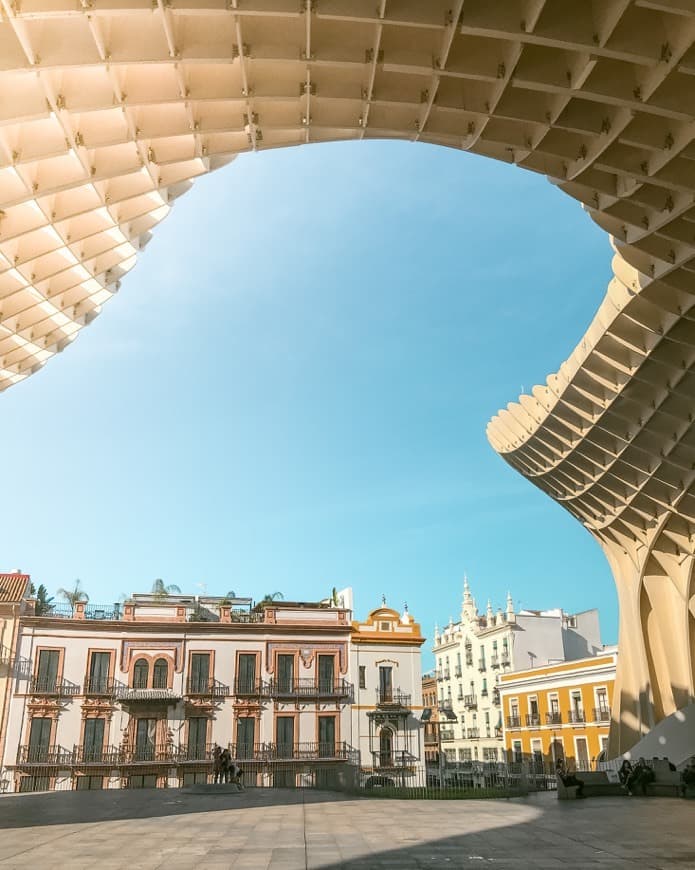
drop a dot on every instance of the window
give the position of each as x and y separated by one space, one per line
285 736
385 683
160 674
363 677
39 739
386 747
99 667
93 748
487 725
246 677
197 738
141 670
602 700
554 704
466 754
489 753
145 735
47 672
89 783
516 750
245 735
385 626
285 673
326 736
326 674
200 673
582 753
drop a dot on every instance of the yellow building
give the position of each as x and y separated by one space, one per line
559 710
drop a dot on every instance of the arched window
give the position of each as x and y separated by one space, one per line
160 674
140 673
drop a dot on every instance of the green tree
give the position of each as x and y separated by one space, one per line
43 602
161 590
74 595
269 597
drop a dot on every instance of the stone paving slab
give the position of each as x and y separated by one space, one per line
293 830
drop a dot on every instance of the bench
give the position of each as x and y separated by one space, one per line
596 783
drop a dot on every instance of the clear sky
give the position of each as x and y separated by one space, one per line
291 389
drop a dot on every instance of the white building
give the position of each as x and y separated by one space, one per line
138 696
471 655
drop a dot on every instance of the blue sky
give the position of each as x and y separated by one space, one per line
291 389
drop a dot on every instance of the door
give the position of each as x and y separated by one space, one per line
47 674
200 673
93 749
326 736
246 678
385 684
39 739
99 666
285 674
197 738
326 675
245 736
285 736
582 754
145 734
386 747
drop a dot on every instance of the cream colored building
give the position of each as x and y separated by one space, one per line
137 696
110 110
14 591
473 655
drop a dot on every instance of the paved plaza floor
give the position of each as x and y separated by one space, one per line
295 830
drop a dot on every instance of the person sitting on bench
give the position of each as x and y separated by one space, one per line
688 776
568 778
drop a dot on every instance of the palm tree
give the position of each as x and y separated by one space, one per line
43 602
161 590
272 596
74 595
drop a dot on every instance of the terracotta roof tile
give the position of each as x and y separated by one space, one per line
13 587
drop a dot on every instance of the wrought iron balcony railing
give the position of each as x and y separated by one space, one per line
481 665
439 674
250 688
533 720
312 751
308 688
447 735
470 702
102 686
206 688
473 733
513 721
554 718
457 671
576 717
393 698
495 661
504 659
601 714
395 760
469 659
53 686
496 697
54 756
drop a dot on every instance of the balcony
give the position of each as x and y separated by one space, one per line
601 714
309 689
498 731
504 659
102 687
553 718
494 661
397 760
459 697
439 673
481 665
470 702
53 687
447 735
250 688
533 720
268 752
206 688
392 698
576 717
496 697
128 695
457 671
53 756
513 721
483 692
104 756
469 661
445 705
473 733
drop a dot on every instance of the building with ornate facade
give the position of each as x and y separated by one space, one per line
137 696
560 710
473 654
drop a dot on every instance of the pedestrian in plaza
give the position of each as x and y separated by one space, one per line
625 772
568 777
216 764
688 776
